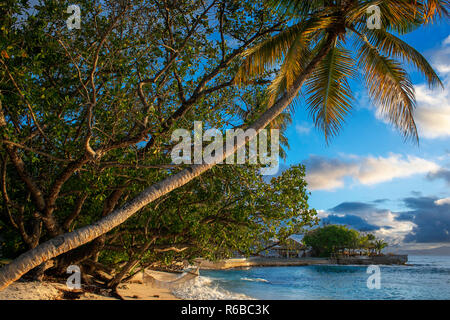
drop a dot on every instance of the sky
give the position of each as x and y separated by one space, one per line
368 177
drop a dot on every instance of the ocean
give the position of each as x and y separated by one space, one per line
425 277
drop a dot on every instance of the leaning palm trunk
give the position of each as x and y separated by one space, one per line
76 238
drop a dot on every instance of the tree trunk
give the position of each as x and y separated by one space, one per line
130 265
71 240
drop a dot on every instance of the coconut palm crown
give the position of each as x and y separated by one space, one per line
378 54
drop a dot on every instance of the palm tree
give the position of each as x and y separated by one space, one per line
312 52
336 32
380 245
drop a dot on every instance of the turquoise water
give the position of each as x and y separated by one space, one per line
427 277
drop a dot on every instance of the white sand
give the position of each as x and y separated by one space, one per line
30 291
133 290
138 289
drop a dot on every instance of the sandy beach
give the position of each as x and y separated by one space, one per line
135 289
140 289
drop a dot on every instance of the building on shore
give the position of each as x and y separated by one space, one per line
291 248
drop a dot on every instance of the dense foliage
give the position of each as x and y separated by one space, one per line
331 239
85 123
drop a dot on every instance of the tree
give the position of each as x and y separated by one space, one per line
123 60
314 54
379 245
368 243
327 240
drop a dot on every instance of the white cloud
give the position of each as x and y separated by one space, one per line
303 128
328 174
376 170
322 214
392 230
433 111
443 201
446 41
440 58
433 106
331 174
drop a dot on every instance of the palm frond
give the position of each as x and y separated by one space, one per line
401 16
435 8
392 46
328 92
281 122
296 7
267 54
292 66
357 12
390 88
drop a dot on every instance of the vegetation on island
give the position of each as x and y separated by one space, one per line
331 240
86 117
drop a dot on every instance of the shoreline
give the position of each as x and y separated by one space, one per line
258 262
285 262
159 285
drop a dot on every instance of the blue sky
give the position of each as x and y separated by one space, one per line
371 175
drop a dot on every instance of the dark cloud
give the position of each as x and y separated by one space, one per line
352 221
440 174
380 201
405 216
356 215
432 220
418 203
316 163
350 207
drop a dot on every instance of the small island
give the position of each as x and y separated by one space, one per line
329 244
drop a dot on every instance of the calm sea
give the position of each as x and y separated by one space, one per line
427 277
